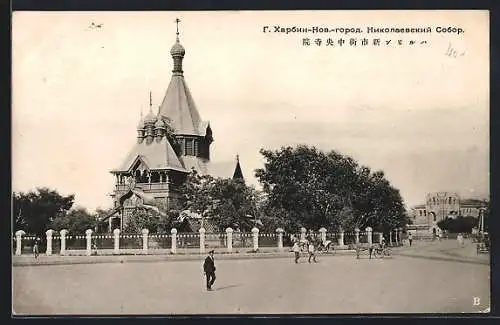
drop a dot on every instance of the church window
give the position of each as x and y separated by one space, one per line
425 213
196 149
420 212
189 147
138 176
449 200
434 217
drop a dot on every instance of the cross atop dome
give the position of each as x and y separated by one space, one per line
177 21
177 51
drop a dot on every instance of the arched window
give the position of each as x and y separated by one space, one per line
434 217
420 212
449 200
138 176
425 213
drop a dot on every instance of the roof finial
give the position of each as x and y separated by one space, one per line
177 21
237 158
150 101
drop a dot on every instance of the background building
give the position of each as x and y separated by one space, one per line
441 205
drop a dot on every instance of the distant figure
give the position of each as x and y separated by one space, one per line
296 251
311 252
35 248
410 238
460 239
440 235
209 269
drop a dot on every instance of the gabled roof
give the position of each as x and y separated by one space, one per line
156 155
178 105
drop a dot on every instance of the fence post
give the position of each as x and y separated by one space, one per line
229 233
322 232
341 238
145 233
303 233
400 235
173 250
48 233
390 237
63 241
396 236
255 232
19 237
202 240
280 239
369 235
380 237
88 234
116 234
356 234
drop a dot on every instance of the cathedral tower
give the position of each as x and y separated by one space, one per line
152 171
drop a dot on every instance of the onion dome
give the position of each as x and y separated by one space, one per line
177 49
160 124
150 118
140 126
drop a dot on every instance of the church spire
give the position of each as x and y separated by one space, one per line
237 171
177 52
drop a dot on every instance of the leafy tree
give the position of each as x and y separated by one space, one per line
195 193
458 225
227 202
76 221
142 219
316 189
34 211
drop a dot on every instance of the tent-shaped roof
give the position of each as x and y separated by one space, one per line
156 155
178 105
238 174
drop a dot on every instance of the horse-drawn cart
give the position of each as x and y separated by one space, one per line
375 250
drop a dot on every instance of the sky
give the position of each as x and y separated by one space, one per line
413 111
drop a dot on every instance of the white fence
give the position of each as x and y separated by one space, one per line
64 243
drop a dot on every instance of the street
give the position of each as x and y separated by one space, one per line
337 284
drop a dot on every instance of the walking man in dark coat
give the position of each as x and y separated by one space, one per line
209 269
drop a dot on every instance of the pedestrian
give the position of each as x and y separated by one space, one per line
410 238
296 251
209 270
35 247
311 252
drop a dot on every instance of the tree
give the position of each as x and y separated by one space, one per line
227 202
316 189
76 221
458 225
34 211
142 219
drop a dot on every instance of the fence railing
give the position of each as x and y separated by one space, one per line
91 243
